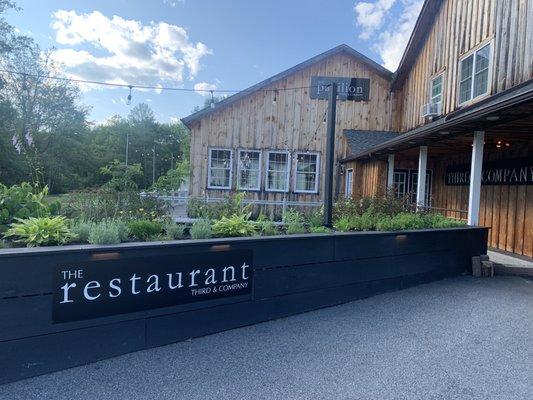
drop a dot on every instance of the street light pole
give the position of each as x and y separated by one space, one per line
330 155
127 146
153 165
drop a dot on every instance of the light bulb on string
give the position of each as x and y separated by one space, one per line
128 102
212 100
275 96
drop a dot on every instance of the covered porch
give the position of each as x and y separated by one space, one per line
475 164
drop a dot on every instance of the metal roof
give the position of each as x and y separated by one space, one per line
343 48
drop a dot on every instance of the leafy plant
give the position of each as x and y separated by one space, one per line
232 204
319 229
173 179
265 226
144 229
234 226
24 201
315 219
174 231
105 232
293 222
343 224
82 229
122 177
201 229
42 231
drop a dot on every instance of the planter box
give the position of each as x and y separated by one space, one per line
71 305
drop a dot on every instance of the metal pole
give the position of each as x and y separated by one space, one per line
127 146
476 168
153 165
330 155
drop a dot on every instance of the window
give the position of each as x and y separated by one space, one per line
249 170
348 183
400 183
475 74
436 90
306 173
219 174
278 171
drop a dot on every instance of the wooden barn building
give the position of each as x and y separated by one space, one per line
453 126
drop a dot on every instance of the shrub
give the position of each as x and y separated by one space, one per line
440 221
24 201
82 230
144 229
43 231
175 231
293 222
232 204
105 232
315 219
265 226
365 222
401 221
343 224
234 226
201 229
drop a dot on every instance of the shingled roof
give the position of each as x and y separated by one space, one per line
343 48
358 141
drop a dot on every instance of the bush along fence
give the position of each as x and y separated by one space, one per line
70 305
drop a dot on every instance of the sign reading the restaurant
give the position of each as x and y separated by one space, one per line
99 288
355 89
501 172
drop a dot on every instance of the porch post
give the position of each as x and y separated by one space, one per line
475 178
421 184
390 172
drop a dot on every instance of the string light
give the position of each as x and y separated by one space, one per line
212 100
128 102
157 88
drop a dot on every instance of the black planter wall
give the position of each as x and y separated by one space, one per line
287 275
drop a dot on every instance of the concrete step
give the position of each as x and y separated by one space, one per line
506 264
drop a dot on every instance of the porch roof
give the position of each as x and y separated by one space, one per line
497 112
360 140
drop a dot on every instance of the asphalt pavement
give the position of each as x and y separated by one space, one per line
460 338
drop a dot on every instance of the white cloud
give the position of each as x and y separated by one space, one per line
173 3
174 120
204 87
125 51
389 31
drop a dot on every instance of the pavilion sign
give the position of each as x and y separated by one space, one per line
502 172
355 89
98 288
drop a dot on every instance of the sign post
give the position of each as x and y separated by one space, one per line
330 155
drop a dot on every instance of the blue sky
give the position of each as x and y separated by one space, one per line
224 44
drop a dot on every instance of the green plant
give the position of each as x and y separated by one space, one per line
42 231
105 232
343 224
201 229
144 229
315 219
293 222
23 201
234 226
265 226
230 205
172 179
82 229
174 231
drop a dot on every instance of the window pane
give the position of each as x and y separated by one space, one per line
467 66
436 89
481 82
220 172
306 172
277 171
465 91
482 58
249 166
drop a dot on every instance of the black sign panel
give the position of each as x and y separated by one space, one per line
355 89
99 288
501 172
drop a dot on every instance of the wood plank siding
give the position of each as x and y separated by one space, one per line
508 210
459 28
292 122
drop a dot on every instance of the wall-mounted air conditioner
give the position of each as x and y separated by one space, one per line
431 110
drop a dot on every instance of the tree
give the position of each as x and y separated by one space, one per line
6 30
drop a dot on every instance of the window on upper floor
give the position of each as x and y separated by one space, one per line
220 166
475 74
306 173
436 90
278 169
249 170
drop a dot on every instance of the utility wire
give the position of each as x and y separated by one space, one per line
130 86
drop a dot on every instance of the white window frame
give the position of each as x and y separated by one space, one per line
348 186
259 172
267 169
473 53
317 173
431 97
209 186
